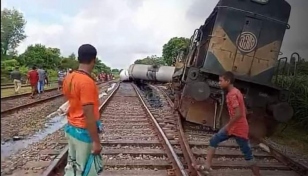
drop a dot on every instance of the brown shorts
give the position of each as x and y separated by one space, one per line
60 83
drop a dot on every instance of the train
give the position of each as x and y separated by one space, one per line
241 36
124 75
153 73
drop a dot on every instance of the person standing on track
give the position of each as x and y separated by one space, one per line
16 76
41 82
236 128
61 75
82 130
33 78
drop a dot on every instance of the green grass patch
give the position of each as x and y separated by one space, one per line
292 137
10 92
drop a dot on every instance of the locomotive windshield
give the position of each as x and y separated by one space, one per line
261 1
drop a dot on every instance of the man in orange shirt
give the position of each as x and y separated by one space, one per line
83 125
237 127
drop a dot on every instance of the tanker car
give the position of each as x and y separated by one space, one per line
124 75
153 73
245 37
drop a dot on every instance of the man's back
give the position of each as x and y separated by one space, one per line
16 75
61 75
33 76
42 74
80 89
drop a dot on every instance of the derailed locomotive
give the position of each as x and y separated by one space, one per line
245 37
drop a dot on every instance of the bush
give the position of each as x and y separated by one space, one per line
298 87
52 74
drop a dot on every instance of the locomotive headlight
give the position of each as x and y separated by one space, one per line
261 1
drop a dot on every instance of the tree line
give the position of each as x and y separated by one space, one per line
13 33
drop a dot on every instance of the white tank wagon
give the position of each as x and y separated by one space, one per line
151 73
124 76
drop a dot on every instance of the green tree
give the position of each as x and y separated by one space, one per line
12 31
101 67
72 56
69 62
40 55
174 47
151 60
115 70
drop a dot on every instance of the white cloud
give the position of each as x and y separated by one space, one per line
121 30
125 30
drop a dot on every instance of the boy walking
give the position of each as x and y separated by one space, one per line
236 128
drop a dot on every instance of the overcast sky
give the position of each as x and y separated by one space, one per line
126 30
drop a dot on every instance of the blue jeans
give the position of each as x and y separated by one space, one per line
40 86
222 135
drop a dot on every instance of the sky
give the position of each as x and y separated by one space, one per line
126 30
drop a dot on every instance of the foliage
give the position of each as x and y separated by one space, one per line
298 87
69 62
101 67
12 31
174 47
52 74
151 60
9 65
115 70
40 55
302 68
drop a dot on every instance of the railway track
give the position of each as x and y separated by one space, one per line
18 102
133 142
143 136
11 86
194 141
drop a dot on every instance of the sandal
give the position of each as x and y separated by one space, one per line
202 169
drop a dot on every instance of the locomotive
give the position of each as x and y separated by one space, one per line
245 37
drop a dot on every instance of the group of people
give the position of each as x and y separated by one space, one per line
37 79
104 77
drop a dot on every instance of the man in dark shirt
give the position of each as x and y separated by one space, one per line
16 76
41 82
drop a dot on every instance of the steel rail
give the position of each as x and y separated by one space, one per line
176 163
58 161
188 154
29 93
23 85
291 163
11 110
24 94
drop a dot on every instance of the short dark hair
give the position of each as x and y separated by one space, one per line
16 68
228 76
34 67
86 53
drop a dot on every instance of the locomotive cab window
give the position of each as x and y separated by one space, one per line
260 1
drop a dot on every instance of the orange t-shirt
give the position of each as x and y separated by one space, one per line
80 89
240 128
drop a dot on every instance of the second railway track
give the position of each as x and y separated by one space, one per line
18 102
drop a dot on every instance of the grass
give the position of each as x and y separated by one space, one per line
292 137
10 92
